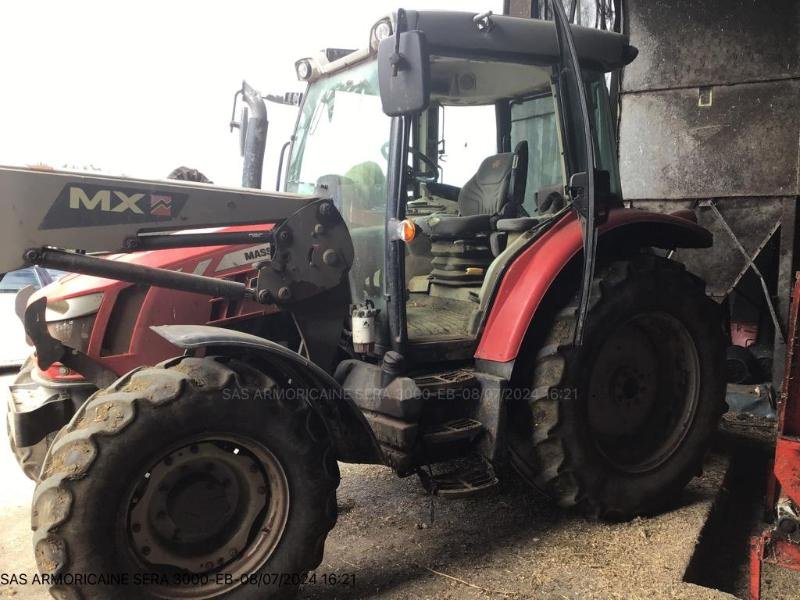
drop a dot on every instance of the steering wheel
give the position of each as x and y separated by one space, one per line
429 175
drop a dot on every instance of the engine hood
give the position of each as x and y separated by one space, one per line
212 261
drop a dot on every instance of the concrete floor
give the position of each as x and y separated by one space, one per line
509 544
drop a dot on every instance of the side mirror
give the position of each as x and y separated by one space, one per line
404 73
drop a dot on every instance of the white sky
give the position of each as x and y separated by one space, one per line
143 87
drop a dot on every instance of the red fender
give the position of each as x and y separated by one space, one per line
530 275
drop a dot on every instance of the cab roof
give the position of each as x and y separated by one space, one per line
510 39
451 33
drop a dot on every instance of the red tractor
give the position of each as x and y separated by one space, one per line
110 321
520 315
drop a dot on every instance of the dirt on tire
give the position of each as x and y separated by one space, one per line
80 508
556 446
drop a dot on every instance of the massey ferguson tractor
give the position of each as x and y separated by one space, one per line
522 317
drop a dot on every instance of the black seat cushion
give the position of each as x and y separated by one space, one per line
486 192
480 199
496 191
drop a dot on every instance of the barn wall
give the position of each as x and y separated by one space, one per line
709 119
710 112
711 107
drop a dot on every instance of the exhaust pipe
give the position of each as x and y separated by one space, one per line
253 127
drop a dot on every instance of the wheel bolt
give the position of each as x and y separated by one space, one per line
146 550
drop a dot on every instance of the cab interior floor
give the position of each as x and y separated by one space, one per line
433 317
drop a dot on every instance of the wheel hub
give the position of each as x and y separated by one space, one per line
623 384
644 390
198 508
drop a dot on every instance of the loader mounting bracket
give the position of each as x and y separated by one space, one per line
50 350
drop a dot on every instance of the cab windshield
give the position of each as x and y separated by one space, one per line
340 151
341 138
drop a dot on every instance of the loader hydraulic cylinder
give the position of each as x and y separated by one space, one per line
123 271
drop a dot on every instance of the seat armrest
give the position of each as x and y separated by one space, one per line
517 225
451 226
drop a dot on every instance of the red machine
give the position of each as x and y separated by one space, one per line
111 322
780 544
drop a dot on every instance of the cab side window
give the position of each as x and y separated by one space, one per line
468 135
534 120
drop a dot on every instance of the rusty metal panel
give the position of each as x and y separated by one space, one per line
789 408
733 141
787 466
768 548
704 42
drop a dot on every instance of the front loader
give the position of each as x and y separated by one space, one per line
522 316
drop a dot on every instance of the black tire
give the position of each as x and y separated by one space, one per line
160 424
29 458
619 426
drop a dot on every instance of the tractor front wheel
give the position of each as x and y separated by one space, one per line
194 479
29 458
618 426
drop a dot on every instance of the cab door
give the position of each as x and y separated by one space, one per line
579 153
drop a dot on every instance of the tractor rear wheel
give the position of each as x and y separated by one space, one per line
618 426
194 479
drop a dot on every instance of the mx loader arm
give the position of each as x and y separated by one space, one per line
58 219
63 220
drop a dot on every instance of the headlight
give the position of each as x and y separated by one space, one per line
380 31
303 68
74 333
71 308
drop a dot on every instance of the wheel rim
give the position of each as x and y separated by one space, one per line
213 504
644 391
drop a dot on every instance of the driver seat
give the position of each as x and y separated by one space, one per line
495 192
460 243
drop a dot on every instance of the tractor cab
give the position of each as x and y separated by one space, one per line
464 183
